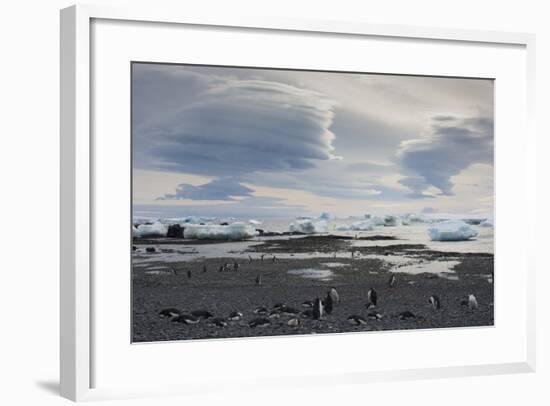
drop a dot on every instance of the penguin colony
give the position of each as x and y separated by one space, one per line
319 308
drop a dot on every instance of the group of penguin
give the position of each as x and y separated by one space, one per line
315 309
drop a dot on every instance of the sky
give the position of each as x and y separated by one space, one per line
243 142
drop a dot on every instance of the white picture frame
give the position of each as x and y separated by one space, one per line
77 282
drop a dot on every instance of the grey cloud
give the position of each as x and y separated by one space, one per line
219 189
234 127
264 207
452 146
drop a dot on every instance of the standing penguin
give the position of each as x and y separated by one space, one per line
258 280
435 302
236 266
204 268
327 304
318 309
472 302
392 281
334 295
372 298
189 274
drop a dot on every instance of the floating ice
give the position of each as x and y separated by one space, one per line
135 232
359 226
486 223
377 221
390 221
152 230
410 218
308 226
234 231
255 222
324 216
451 230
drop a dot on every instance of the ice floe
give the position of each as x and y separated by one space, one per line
365 225
308 226
451 230
234 231
150 230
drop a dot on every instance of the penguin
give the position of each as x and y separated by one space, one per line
333 293
221 268
307 304
327 304
262 257
150 249
259 322
372 298
204 269
258 280
188 274
274 259
236 266
472 302
261 311
294 322
374 315
249 259
226 267
406 315
318 310
202 314
356 320
218 322
435 302
392 281
235 316
169 312
185 319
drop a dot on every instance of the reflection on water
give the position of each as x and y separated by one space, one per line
324 275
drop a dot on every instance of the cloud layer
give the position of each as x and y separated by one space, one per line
452 146
218 189
237 127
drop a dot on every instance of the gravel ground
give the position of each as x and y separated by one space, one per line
223 292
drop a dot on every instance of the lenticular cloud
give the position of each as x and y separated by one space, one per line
239 127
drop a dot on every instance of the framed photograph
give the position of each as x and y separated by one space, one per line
261 200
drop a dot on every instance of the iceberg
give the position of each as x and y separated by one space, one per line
152 230
390 221
307 226
377 221
486 223
451 230
255 222
234 231
413 218
324 216
359 226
